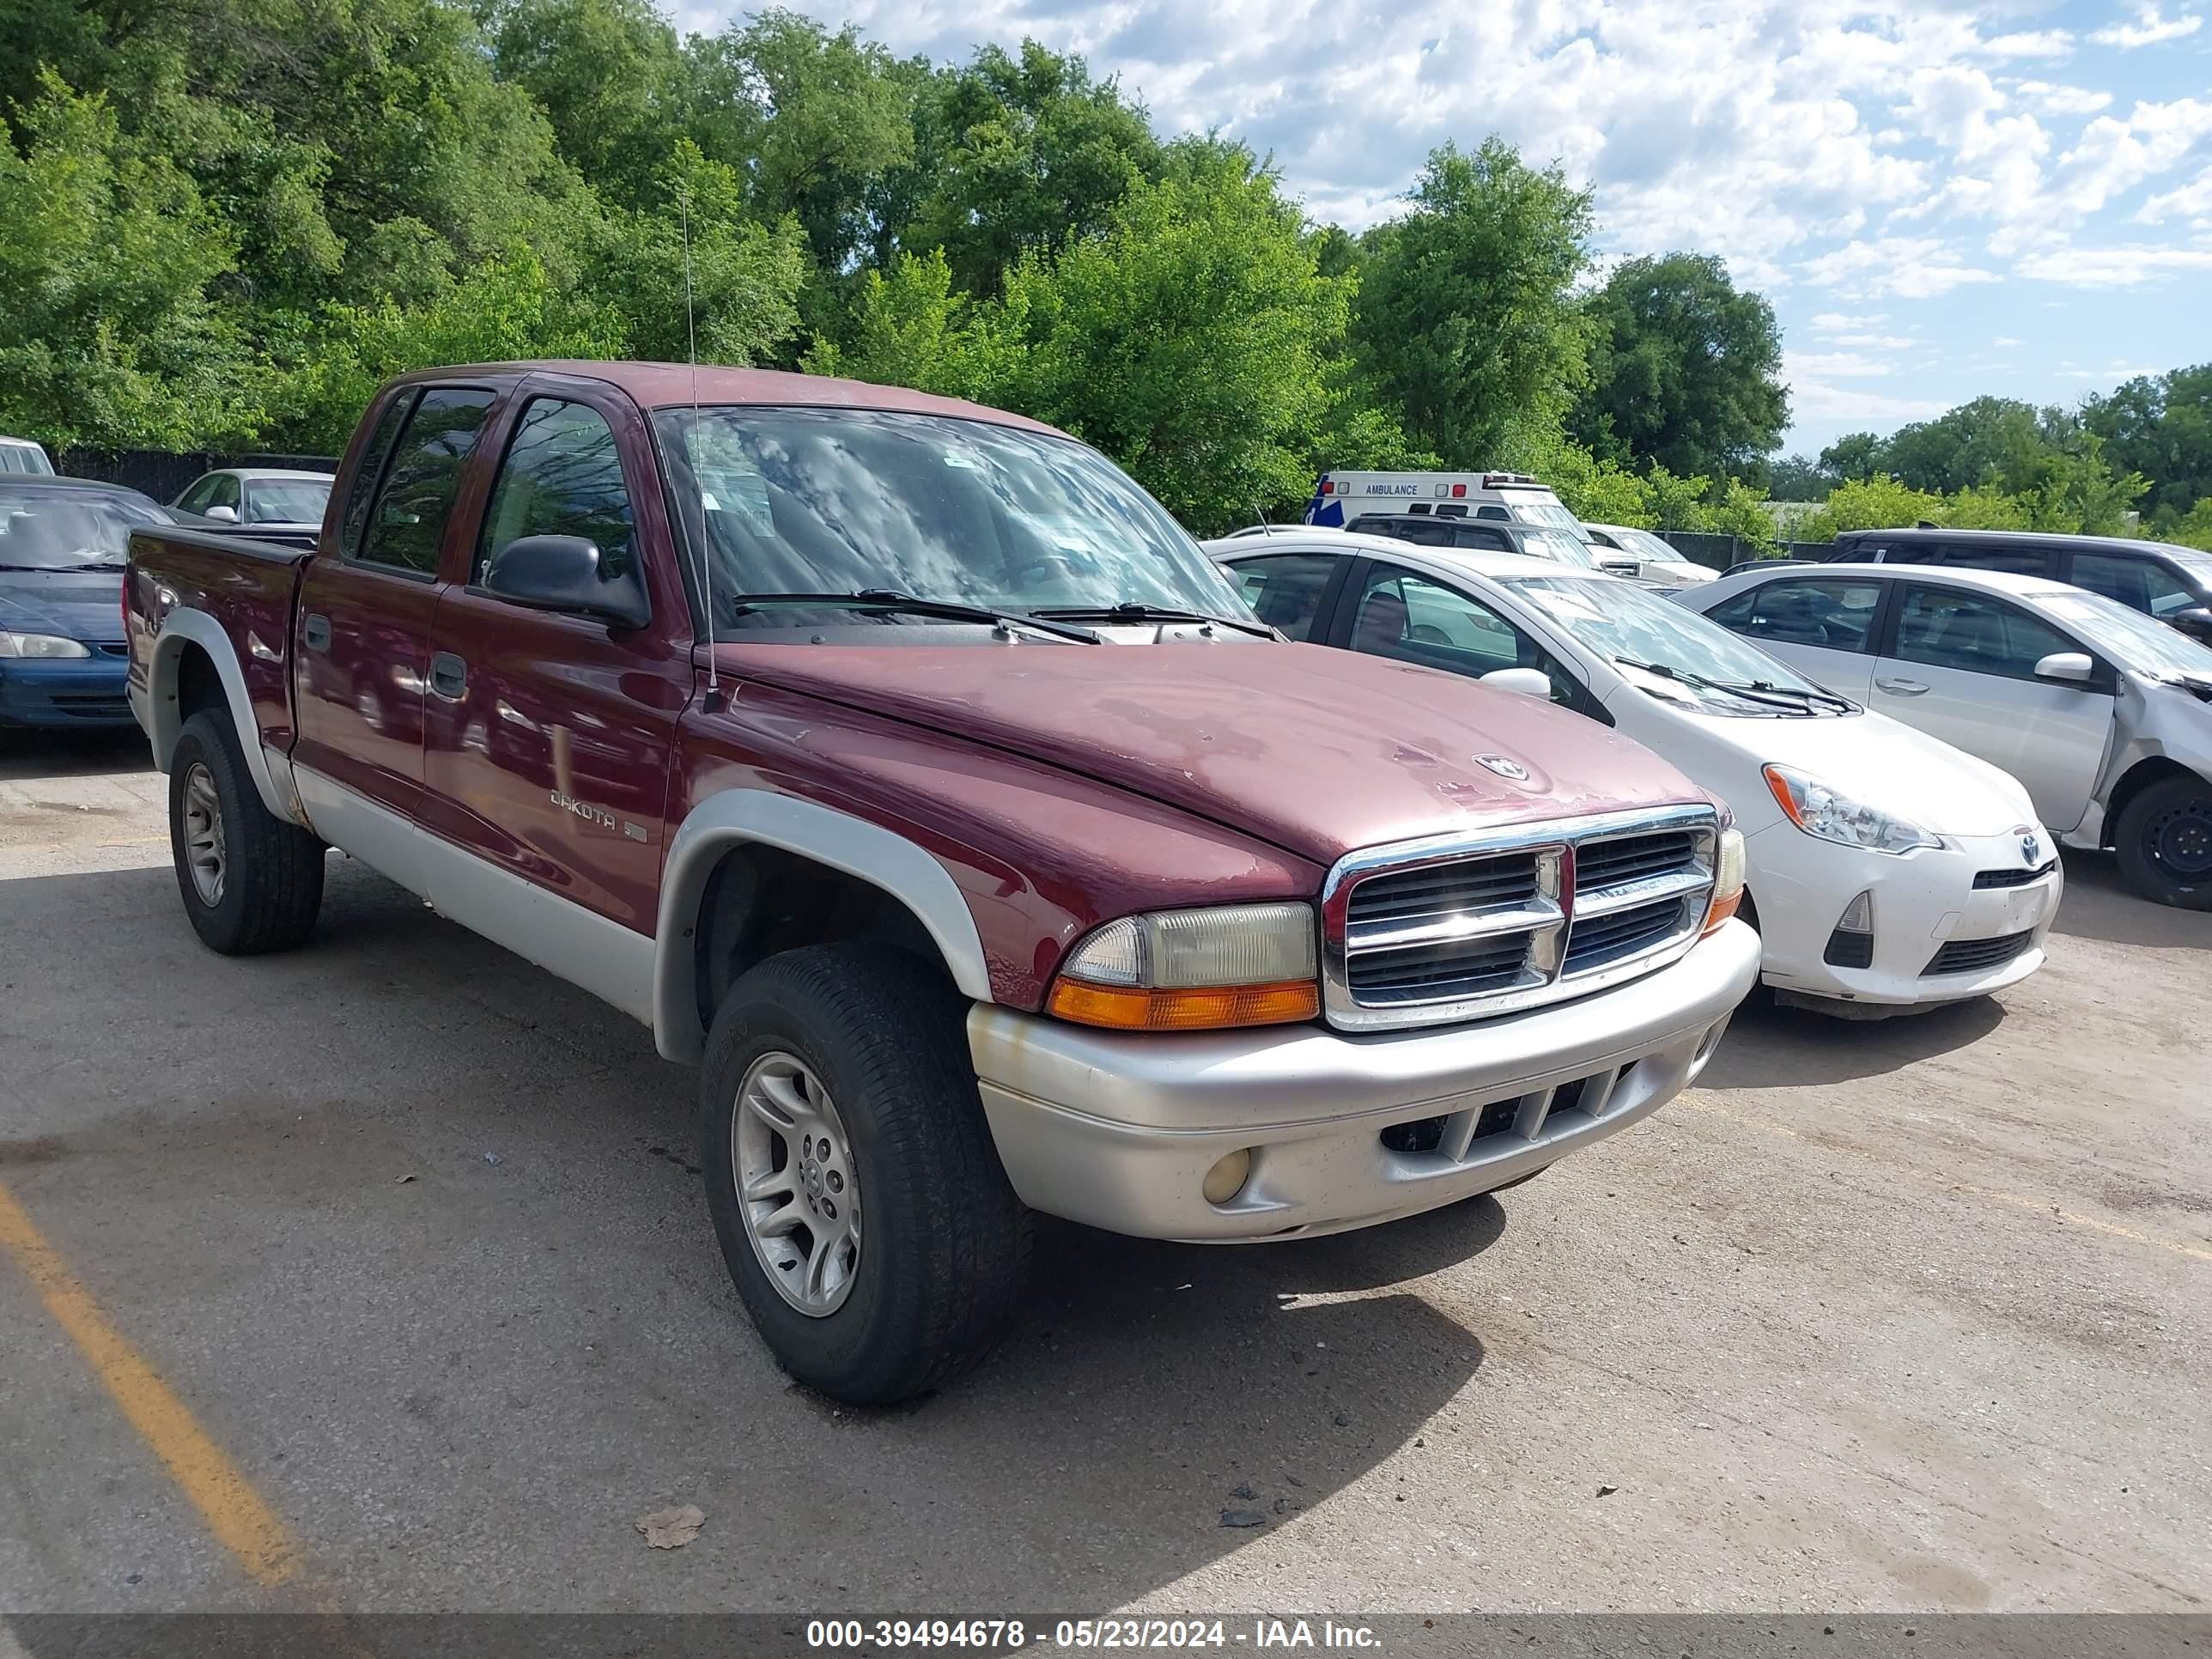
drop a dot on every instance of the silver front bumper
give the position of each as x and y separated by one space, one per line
1117 1130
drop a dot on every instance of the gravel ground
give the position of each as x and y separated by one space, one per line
1910 1316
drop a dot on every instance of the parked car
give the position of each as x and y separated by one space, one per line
1343 499
2101 712
1627 551
282 498
1530 541
1885 871
19 455
2173 584
903 765
62 541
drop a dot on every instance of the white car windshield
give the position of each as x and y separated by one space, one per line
2136 641
1672 652
1559 547
1646 548
49 530
1543 509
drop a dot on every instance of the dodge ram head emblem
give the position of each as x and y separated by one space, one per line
1503 767
2031 848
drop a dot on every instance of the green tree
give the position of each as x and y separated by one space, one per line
1465 315
1855 457
611 76
2194 527
1869 504
2159 426
1798 479
913 327
107 333
1684 369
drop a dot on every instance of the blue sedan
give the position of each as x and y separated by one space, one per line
62 543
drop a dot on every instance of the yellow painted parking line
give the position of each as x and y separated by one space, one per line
240 1520
2027 1201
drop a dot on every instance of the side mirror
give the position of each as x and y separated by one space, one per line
2072 666
222 514
1526 682
562 573
2196 622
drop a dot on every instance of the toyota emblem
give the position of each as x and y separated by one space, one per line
2031 848
1505 767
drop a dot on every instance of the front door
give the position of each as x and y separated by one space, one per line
549 735
364 629
1961 666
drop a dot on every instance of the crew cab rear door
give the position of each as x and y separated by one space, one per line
363 638
548 735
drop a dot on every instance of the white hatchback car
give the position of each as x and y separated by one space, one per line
2103 712
1886 871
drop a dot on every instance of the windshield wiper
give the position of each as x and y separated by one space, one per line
1809 692
1134 610
883 598
1684 677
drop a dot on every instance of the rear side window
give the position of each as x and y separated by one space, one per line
364 481
1284 591
407 526
2024 562
2143 585
1950 628
563 476
1835 616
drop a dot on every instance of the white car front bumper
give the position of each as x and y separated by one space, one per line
1938 936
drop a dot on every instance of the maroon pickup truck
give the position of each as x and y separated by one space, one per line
905 767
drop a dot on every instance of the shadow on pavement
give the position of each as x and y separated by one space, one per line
1770 1046
26 754
2097 905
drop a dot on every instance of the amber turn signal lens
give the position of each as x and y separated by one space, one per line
1127 1008
1723 906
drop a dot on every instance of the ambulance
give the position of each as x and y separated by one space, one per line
1342 499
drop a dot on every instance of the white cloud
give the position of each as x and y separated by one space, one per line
2191 201
1816 400
2005 340
1907 267
1829 321
2129 266
2150 29
2042 43
2054 99
1875 342
1833 366
2113 156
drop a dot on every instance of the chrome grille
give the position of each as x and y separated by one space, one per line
1427 932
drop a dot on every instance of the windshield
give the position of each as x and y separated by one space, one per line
1558 546
46 530
2138 641
804 500
1620 621
1543 508
1644 547
287 501
2197 564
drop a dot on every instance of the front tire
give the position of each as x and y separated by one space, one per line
861 1205
2164 840
251 882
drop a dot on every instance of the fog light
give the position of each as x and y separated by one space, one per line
1858 915
1226 1178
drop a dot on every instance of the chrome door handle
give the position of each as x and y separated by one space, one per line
448 676
1903 687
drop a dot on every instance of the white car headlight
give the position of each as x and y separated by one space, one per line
1186 971
39 644
1828 813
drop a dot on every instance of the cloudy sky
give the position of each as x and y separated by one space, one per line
1940 200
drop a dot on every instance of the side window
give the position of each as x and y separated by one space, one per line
1495 541
196 499
388 422
1412 619
1834 616
1952 628
2026 562
226 492
2140 584
1908 553
563 476
1493 512
407 526
1285 590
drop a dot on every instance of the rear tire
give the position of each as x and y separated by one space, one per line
2164 840
881 1250
251 882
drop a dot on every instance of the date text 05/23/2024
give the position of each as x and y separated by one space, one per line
1257 1633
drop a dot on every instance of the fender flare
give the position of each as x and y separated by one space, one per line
185 623
882 858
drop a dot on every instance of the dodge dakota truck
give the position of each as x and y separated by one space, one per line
905 767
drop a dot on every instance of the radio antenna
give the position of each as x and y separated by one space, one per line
691 353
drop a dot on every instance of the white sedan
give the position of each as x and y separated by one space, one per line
1887 871
1627 551
2103 712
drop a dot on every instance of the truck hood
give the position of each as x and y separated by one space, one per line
1317 751
76 605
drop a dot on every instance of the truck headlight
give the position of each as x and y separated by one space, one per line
1193 971
1728 878
1831 814
39 644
